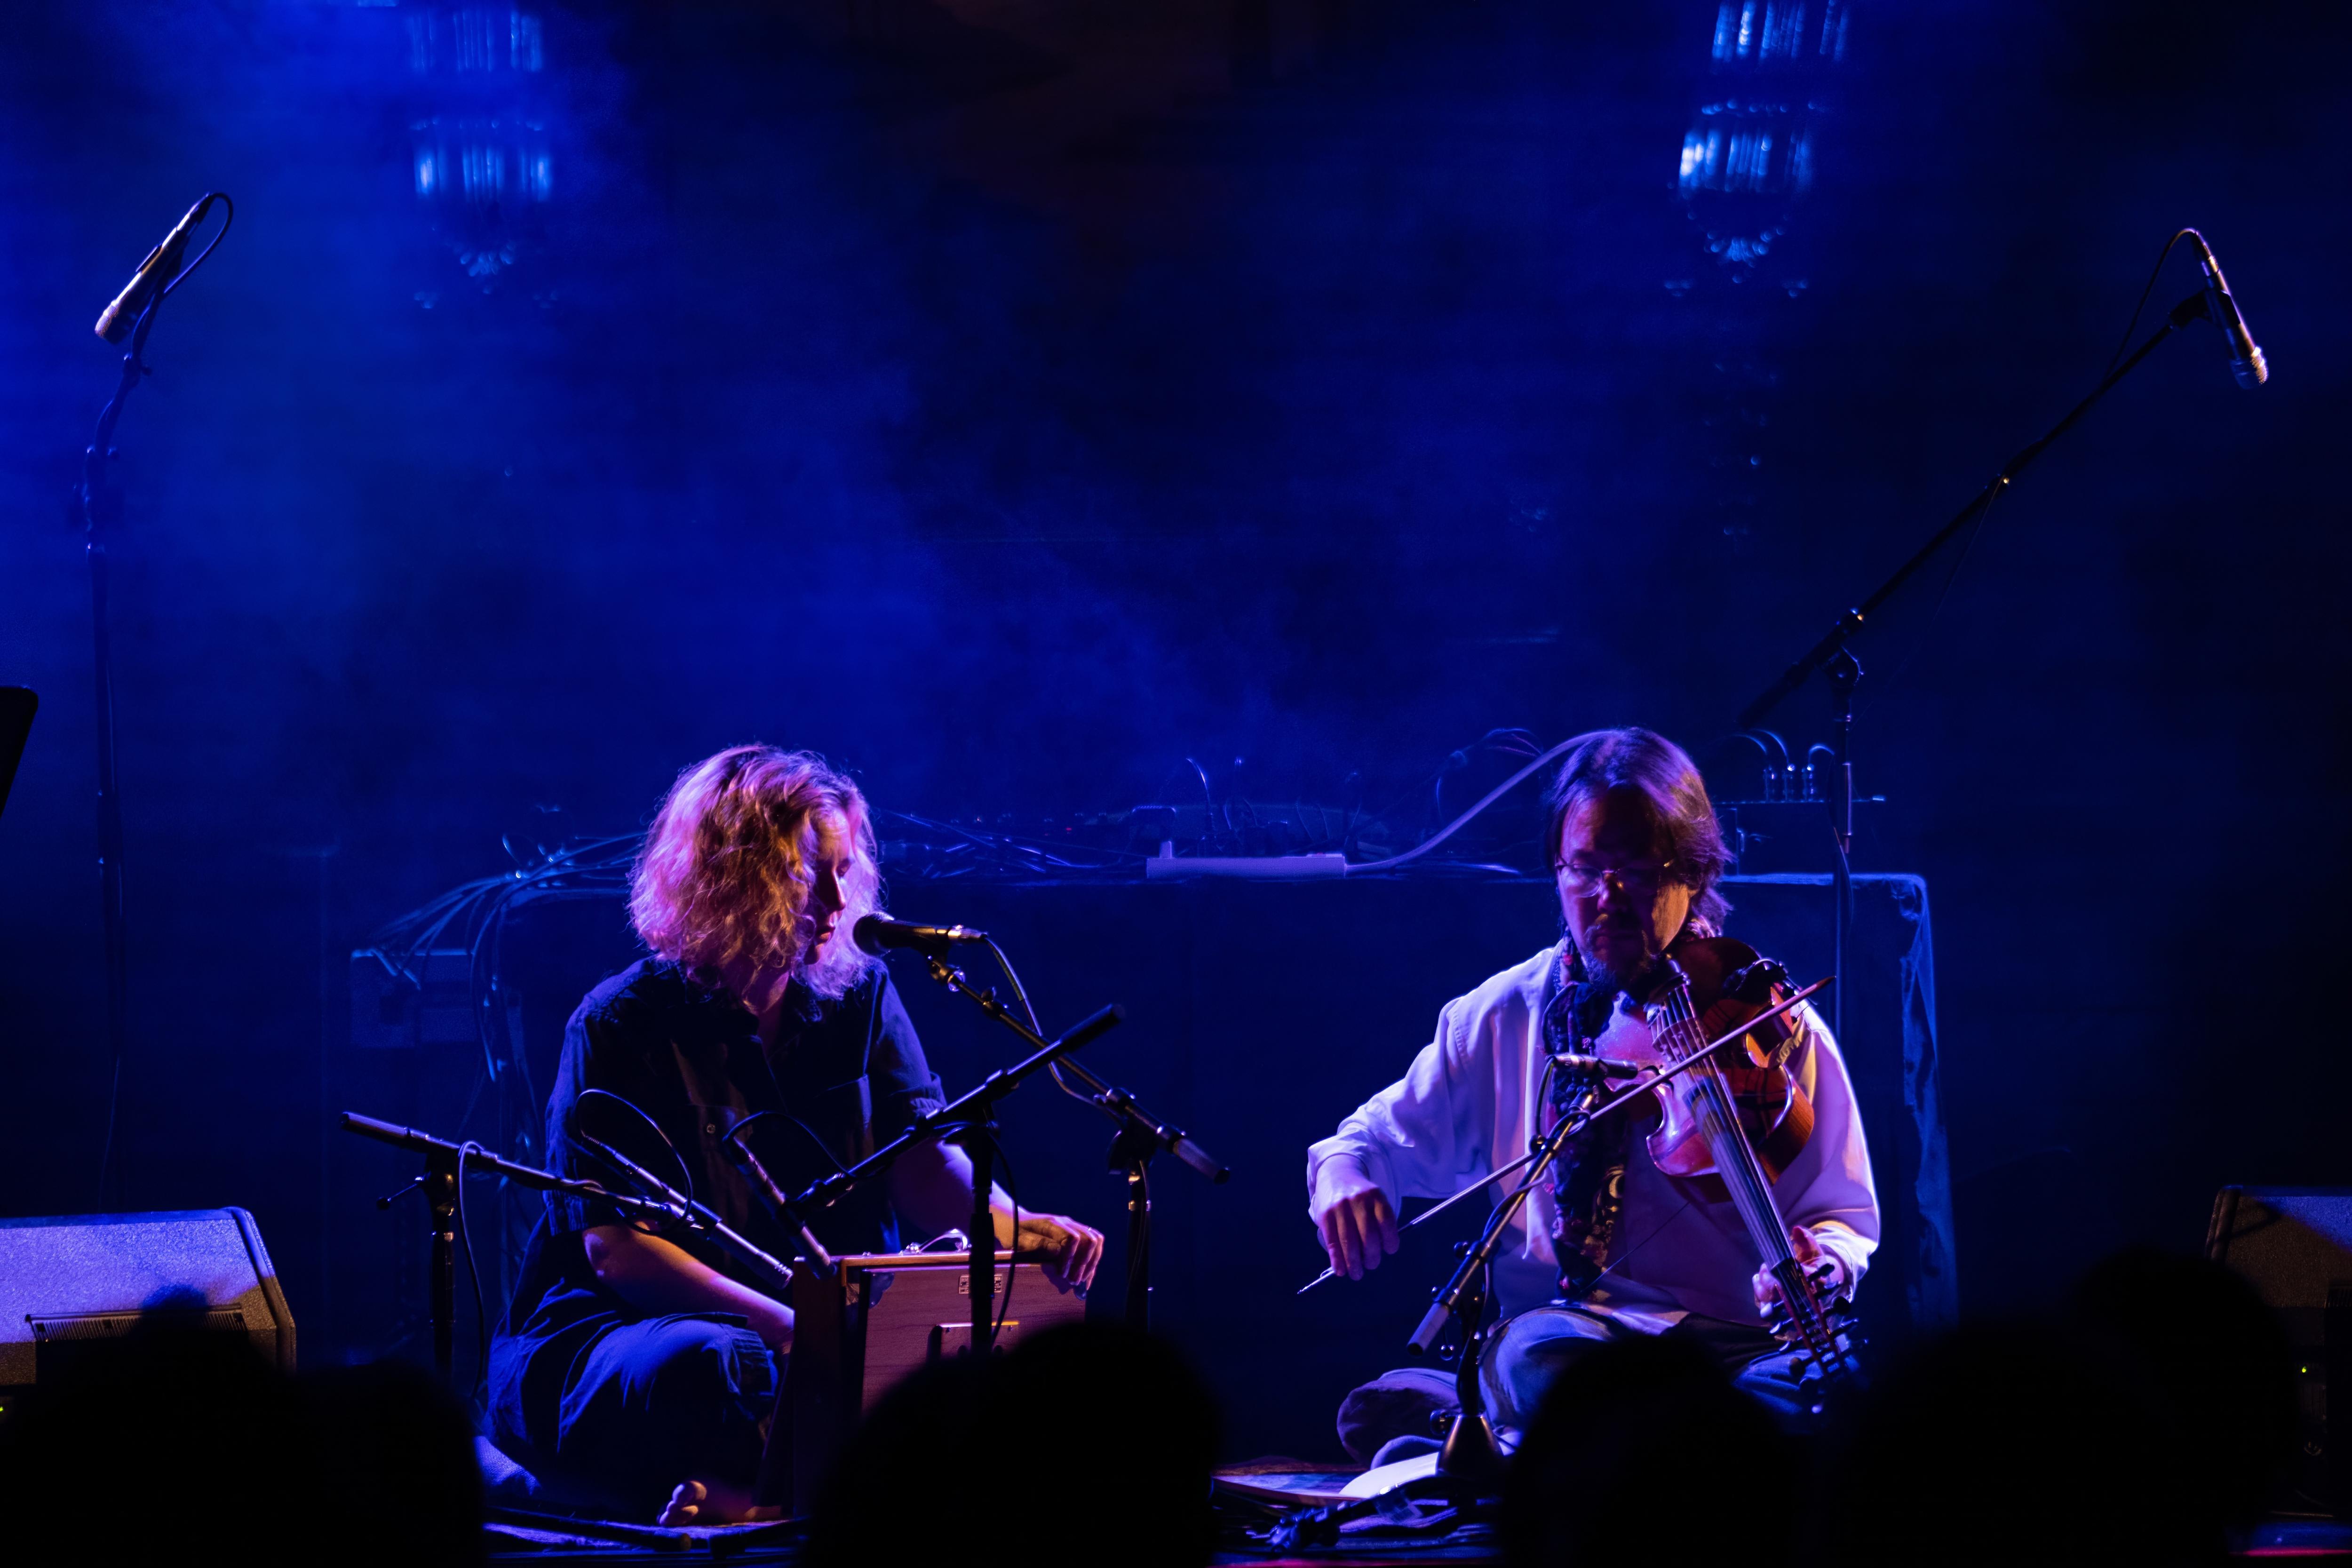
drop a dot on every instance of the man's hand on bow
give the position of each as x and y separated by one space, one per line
1813 1257
1354 1218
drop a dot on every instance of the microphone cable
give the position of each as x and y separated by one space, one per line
228 216
474 1274
2154 273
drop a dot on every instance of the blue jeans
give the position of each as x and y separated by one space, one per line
647 1404
1525 1353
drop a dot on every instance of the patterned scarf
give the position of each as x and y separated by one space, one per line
1588 1181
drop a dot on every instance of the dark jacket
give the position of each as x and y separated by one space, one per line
840 1077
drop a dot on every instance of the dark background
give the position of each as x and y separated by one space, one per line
1011 402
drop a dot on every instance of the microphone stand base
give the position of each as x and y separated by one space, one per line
1472 1457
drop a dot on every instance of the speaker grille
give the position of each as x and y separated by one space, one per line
110 1325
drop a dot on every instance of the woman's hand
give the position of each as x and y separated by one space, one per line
1071 1252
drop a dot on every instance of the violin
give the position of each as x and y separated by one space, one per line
1737 1120
1727 984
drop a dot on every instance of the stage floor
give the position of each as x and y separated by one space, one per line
517 1537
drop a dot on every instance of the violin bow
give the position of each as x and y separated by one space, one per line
1627 1098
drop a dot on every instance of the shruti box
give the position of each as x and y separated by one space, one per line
862 1326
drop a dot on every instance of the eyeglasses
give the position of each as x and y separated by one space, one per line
1584 880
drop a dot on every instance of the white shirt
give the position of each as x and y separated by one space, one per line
1466 1106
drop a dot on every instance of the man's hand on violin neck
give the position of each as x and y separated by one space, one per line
1813 1257
1354 1218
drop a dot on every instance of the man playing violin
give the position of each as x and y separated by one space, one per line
1608 1244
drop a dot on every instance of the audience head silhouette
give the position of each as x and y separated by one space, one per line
1643 1451
2201 1338
175 1439
1091 1435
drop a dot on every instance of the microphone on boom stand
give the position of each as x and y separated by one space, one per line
2245 356
162 265
878 934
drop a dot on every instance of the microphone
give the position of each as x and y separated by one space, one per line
162 262
879 935
2245 359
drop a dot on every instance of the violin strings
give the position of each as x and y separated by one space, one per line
1719 1120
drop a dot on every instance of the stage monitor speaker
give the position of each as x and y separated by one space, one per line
17 707
70 1279
2294 1245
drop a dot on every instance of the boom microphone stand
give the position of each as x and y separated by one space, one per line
1141 1136
446 1163
1831 656
972 1117
96 506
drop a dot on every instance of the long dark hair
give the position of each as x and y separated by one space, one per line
1663 774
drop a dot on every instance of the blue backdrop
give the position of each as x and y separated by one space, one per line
1012 406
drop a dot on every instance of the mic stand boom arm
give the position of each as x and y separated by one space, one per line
1832 655
739 1155
1141 1136
671 1204
971 1114
1834 640
446 1163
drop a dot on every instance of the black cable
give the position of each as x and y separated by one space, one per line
1012 1252
2154 273
473 1273
684 1170
1014 980
1442 834
228 217
1020 995
106 1145
823 1151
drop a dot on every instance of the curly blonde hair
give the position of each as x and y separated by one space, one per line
723 874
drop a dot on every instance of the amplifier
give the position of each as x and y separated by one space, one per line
71 1280
872 1320
2295 1245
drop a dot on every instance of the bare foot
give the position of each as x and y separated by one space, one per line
713 1502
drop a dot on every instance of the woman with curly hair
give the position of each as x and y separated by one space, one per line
636 1364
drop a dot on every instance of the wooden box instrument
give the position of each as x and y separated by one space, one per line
861 1326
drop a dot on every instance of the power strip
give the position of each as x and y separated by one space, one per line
1167 866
